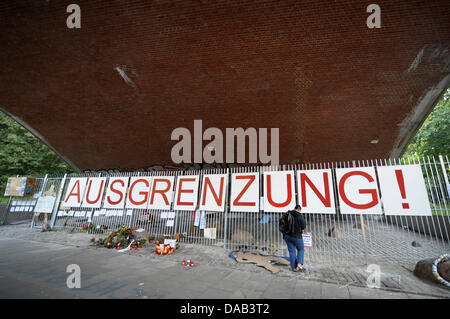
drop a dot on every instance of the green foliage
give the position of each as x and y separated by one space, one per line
433 138
24 154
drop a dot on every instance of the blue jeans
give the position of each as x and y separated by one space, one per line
295 243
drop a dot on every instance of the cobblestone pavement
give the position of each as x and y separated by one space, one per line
33 265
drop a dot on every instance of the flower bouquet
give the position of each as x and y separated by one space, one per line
119 239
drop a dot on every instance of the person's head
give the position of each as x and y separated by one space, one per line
298 208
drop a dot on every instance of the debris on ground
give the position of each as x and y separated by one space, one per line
265 261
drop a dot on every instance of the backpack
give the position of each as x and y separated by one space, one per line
286 223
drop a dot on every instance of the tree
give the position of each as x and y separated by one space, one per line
23 153
433 138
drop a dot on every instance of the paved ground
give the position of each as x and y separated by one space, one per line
33 265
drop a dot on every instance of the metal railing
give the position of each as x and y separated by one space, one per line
336 238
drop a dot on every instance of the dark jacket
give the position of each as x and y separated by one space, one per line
299 224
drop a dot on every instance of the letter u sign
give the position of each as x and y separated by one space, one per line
279 191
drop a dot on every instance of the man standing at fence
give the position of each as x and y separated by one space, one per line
294 239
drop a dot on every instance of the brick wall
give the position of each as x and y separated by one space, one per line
311 68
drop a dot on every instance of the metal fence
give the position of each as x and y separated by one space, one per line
336 238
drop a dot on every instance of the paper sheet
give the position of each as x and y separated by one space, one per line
203 220
210 233
307 240
171 242
170 223
197 218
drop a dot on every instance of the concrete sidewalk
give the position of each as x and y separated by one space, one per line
37 269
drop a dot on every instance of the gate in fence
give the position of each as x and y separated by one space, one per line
335 237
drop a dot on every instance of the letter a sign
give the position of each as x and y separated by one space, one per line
75 192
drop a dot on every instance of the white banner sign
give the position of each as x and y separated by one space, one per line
403 190
186 193
213 192
244 192
138 192
75 191
358 191
94 192
116 192
315 191
162 192
279 191
45 204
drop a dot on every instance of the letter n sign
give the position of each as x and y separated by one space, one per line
315 191
214 188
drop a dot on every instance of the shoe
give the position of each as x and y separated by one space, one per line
295 269
301 269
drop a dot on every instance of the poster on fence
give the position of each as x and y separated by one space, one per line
138 192
358 191
210 233
19 186
403 190
393 190
115 192
244 192
45 204
162 192
307 239
186 193
75 192
279 191
213 192
94 192
315 191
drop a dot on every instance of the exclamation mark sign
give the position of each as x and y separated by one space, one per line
401 185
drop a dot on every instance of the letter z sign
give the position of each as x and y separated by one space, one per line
244 192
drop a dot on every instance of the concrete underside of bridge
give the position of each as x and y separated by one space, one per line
108 95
